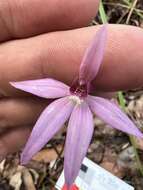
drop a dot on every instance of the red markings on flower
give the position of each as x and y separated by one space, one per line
79 89
73 187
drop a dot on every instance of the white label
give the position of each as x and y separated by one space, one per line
93 177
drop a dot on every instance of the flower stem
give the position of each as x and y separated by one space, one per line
102 13
132 139
121 97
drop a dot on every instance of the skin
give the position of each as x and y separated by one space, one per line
51 44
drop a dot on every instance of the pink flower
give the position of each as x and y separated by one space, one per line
78 106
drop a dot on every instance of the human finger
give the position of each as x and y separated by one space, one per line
58 55
13 140
20 111
19 19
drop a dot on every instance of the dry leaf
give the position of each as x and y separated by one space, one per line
16 181
47 155
27 180
126 159
2 164
113 168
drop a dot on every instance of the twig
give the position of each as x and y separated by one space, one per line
128 6
131 11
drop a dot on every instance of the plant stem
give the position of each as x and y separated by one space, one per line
121 98
132 140
131 11
102 13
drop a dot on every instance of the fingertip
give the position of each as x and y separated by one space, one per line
30 18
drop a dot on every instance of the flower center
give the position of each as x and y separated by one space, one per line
77 100
79 90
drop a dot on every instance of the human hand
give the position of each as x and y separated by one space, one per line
51 51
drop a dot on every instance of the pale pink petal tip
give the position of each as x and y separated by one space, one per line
113 116
45 88
93 56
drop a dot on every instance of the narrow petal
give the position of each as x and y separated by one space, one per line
111 114
78 138
93 56
46 88
49 123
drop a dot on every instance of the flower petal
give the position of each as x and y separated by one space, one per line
93 56
112 115
78 138
46 88
49 123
